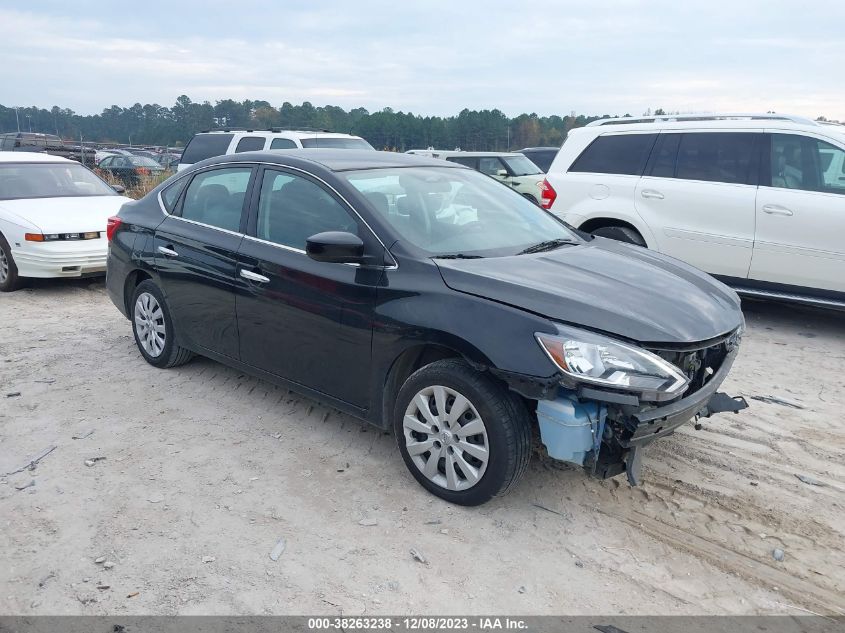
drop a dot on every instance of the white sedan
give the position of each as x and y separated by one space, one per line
53 216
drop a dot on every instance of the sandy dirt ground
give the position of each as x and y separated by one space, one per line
205 469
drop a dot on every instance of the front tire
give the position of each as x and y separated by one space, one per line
153 328
620 234
9 280
465 438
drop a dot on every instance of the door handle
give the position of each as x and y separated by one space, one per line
651 193
167 251
248 274
776 209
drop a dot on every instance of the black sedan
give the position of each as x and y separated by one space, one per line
424 297
130 170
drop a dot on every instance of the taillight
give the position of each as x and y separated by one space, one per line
547 195
142 171
112 225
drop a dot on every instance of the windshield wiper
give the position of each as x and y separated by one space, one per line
548 245
457 256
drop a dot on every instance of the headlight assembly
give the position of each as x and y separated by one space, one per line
599 360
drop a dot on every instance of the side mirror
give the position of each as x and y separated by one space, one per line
337 247
119 188
502 173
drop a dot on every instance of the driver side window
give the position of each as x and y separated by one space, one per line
808 164
292 208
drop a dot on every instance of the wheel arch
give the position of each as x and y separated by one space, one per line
590 225
132 281
408 361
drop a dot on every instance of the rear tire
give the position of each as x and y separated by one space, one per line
153 328
620 234
9 280
465 455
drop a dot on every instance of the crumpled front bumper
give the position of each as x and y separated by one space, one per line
651 424
605 432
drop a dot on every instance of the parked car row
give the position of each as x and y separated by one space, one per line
49 210
47 143
420 294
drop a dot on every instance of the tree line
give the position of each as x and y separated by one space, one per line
153 124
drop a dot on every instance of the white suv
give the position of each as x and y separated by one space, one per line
757 200
232 141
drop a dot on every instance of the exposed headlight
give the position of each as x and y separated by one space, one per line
595 359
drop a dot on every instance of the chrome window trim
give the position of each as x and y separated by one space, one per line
163 209
209 226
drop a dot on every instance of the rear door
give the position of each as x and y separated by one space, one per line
196 257
801 213
698 195
309 322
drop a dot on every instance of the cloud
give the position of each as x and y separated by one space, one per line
432 58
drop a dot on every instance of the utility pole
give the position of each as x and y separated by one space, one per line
17 119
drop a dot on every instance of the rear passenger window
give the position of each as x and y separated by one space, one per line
216 197
715 157
250 144
616 154
282 143
204 146
292 209
171 195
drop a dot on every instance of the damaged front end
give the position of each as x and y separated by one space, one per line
614 398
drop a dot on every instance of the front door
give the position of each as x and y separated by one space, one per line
196 258
801 214
306 321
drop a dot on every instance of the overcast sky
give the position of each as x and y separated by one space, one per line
430 57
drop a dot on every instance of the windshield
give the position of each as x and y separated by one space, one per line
457 212
336 142
49 180
521 165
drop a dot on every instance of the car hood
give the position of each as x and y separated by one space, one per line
65 215
608 286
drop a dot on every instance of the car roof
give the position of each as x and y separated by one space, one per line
282 133
450 153
31 157
336 159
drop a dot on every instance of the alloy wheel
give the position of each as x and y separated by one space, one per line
149 324
4 266
446 438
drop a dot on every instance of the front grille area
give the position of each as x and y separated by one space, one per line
700 364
